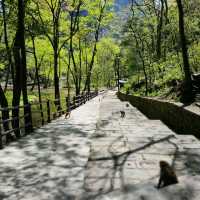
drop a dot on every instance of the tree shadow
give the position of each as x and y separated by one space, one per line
114 174
48 164
116 168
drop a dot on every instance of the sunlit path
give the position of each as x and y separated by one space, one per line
98 155
49 164
65 57
125 155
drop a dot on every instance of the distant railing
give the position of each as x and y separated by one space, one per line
39 114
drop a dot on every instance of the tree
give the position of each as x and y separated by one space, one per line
5 113
55 8
20 81
74 29
10 67
188 88
102 7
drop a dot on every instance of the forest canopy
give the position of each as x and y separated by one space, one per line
77 46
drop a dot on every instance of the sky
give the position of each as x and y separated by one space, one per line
122 2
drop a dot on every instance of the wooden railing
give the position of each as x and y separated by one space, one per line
39 114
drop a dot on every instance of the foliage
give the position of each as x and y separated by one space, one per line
151 39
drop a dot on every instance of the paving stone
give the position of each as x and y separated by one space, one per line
98 155
133 147
50 163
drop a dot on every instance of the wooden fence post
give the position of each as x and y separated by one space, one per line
57 103
48 111
67 104
60 109
1 143
79 100
74 102
41 113
84 99
5 125
15 121
89 95
28 119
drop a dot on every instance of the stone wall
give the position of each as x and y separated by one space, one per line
175 116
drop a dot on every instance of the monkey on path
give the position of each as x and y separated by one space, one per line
122 113
167 175
67 115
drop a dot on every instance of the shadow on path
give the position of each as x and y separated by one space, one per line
48 164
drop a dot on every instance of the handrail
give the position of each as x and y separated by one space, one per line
46 116
14 107
15 129
13 119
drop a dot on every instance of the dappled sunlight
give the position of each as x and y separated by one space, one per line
99 99
125 154
98 155
49 163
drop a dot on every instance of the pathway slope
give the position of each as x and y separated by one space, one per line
125 154
98 155
49 164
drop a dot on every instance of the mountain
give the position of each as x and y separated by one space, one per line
120 4
121 13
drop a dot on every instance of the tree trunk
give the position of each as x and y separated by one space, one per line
118 74
20 82
27 109
8 50
68 81
75 67
16 86
47 80
80 67
5 113
37 78
90 67
159 31
188 88
34 81
56 55
56 78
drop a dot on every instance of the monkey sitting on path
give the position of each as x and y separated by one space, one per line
167 175
122 113
67 115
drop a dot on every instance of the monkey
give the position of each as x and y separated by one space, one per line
167 175
122 113
67 115
127 105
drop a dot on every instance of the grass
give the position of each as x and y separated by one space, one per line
33 95
47 94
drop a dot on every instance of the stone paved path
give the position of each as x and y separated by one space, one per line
49 164
125 153
98 155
